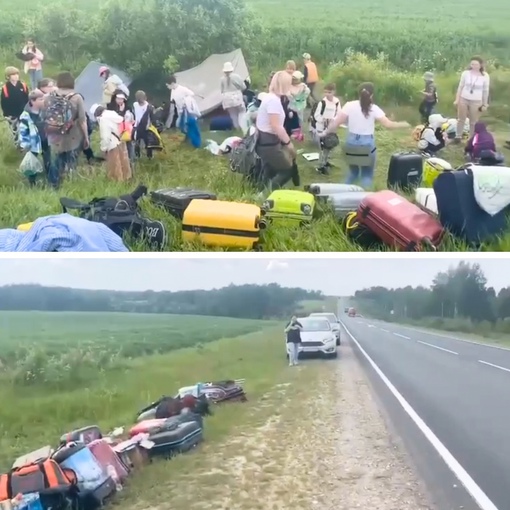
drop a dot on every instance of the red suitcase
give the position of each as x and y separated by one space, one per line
399 223
107 457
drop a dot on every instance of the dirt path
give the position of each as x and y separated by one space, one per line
327 453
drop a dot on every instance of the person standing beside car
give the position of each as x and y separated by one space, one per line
293 332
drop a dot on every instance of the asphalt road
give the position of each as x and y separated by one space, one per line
461 391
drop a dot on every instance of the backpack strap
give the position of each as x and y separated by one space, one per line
5 90
323 106
71 204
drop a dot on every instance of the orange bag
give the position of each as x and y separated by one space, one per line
45 477
126 131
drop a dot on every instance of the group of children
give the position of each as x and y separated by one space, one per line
123 129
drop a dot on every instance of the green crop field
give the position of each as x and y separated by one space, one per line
64 349
390 45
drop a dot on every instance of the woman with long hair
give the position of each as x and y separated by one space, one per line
274 145
360 117
119 105
33 67
472 96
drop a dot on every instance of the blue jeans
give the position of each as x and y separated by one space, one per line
366 172
35 76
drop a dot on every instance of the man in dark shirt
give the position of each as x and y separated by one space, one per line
293 332
14 95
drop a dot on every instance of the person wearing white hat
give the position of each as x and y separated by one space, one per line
299 93
112 82
118 167
119 105
232 87
433 138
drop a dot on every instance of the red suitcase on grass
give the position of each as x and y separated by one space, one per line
399 223
106 456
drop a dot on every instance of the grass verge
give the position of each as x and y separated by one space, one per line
34 419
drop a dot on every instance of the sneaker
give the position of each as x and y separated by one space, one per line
322 170
329 165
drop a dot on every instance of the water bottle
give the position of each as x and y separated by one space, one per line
112 473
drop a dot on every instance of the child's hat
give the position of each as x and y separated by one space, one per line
428 76
298 75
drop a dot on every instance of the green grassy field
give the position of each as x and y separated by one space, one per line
112 395
412 41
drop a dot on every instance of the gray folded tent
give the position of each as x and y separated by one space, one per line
204 79
90 85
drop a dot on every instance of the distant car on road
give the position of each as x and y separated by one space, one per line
317 337
333 321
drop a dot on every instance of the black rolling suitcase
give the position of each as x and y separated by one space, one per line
176 436
176 200
405 171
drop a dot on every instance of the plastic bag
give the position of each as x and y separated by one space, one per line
30 165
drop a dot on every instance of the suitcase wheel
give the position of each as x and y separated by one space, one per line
427 244
258 247
261 224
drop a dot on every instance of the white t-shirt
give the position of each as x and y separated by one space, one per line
140 112
179 94
270 105
331 109
357 123
473 87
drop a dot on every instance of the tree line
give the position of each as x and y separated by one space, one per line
461 292
238 301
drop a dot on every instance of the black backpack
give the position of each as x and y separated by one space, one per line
121 215
322 103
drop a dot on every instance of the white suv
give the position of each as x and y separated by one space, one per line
317 337
334 322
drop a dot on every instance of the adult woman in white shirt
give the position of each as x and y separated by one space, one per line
274 145
472 96
360 117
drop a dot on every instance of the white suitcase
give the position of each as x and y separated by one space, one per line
426 198
327 188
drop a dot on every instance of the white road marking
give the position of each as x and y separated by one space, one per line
385 330
450 337
402 336
456 468
494 366
437 347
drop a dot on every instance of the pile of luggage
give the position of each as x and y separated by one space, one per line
469 202
87 468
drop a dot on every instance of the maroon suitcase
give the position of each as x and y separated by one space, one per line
399 223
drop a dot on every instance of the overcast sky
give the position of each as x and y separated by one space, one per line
340 277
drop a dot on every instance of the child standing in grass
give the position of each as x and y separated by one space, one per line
321 116
429 100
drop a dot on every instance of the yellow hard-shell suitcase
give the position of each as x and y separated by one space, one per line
432 168
223 224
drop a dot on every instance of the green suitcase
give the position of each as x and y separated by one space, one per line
289 206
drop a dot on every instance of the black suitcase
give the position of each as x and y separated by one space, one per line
459 212
176 200
176 437
405 171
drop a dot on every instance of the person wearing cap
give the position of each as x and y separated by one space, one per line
14 95
32 136
310 74
298 97
433 138
429 100
118 167
232 87
112 82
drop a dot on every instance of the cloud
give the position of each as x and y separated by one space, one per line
277 265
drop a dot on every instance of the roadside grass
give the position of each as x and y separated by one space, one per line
180 165
30 421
